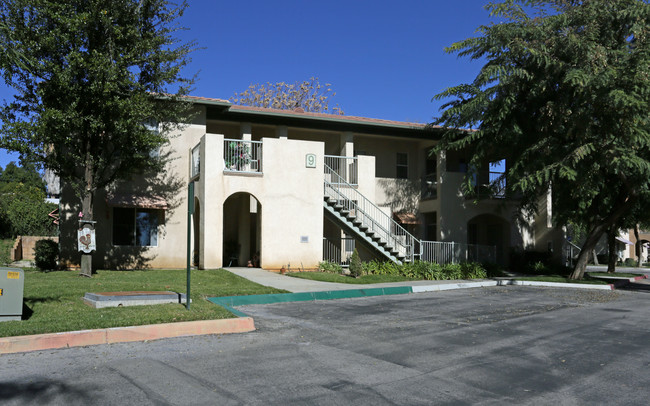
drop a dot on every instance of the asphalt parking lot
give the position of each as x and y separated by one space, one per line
498 345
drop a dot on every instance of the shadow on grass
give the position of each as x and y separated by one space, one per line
27 312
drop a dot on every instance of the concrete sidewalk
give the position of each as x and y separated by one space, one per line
298 285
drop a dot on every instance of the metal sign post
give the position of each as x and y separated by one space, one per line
190 211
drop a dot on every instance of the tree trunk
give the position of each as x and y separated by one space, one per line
637 246
608 223
586 251
595 257
87 211
611 248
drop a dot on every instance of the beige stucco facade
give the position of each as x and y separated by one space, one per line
271 210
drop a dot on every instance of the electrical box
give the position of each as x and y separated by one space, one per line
12 283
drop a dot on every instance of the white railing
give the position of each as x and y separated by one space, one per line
338 251
454 252
369 215
242 156
196 161
345 167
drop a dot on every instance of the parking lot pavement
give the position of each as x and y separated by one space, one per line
499 345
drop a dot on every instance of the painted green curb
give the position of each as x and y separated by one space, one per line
231 301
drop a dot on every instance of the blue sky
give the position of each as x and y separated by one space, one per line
384 59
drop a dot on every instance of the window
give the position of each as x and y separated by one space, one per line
402 169
135 227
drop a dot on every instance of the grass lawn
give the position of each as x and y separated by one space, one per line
333 277
54 302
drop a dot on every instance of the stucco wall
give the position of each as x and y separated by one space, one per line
289 193
171 184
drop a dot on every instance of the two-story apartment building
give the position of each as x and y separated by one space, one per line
290 189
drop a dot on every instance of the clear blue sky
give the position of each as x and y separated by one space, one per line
384 59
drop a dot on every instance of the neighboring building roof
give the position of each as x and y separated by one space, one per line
225 110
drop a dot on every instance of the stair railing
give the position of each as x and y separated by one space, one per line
383 226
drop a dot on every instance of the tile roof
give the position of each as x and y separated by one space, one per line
299 113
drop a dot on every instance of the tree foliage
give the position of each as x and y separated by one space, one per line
308 95
564 97
103 88
23 209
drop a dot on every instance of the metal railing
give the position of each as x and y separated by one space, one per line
454 252
196 161
338 251
370 216
495 187
242 156
345 167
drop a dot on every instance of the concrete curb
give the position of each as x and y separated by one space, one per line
243 323
229 302
9 345
505 282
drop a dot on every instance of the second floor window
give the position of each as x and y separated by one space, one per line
402 168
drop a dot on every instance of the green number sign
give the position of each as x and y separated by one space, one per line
310 161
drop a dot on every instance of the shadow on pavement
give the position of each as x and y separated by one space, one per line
43 392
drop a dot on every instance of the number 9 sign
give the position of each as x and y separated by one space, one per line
310 160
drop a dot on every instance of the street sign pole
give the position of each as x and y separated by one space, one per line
190 211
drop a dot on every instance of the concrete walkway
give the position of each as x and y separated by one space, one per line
297 285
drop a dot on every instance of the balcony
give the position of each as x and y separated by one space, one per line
195 159
242 156
491 185
429 187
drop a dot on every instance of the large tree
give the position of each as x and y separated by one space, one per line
309 95
564 96
102 89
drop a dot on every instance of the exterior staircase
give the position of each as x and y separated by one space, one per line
358 216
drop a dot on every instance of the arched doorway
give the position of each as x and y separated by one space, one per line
242 224
196 222
490 230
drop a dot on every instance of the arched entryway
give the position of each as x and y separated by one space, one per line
242 226
490 230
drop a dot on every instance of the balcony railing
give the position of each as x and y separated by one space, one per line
494 188
242 156
455 252
345 167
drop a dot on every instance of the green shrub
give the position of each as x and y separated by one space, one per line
46 253
473 270
5 251
356 268
630 262
493 270
331 267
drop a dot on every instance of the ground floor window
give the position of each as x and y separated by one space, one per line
136 227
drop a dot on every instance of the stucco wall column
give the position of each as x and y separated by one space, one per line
211 197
